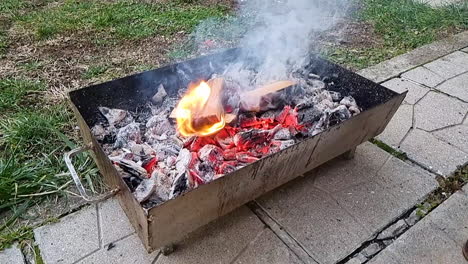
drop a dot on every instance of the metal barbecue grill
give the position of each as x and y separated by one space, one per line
172 220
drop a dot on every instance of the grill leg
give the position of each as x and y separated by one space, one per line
349 154
168 249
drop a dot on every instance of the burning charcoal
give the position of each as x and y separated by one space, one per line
354 110
199 142
158 98
336 96
283 134
145 189
130 132
339 114
116 117
348 101
183 160
229 154
99 132
163 184
282 144
248 139
142 149
309 115
224 139
270 114
131 167
150 164
132 182
226 167
246 157
351 104
179 186
210 153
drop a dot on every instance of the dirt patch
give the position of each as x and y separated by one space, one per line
352 34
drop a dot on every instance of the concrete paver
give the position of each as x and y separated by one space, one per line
12 255
71 239
398 127
409 184
438 110
127 250
437 238
347 201
451 65
318 222
424 76
393 67
220 241
113 222
339 174
267 249
458 87
432 153
452 217
415 91
456 136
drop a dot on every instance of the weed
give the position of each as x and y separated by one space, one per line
387 148
117 20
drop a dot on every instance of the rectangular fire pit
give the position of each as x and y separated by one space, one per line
173 219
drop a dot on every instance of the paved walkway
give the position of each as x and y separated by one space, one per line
346 211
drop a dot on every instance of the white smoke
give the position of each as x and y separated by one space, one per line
278 34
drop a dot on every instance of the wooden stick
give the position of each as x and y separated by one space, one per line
251 100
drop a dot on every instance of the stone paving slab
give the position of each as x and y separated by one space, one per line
457 87
432 153
71 239
438 3
113 222
424 76
450 65
465 49
219 242
398 127
437 238
128 250
437 110
394 67
415 91
11 255
332 211
267 249
456 136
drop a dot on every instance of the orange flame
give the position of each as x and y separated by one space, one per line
191 106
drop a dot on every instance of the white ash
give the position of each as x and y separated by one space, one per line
282 134
145 189
130 132
158 98
183 160
116 116
130 167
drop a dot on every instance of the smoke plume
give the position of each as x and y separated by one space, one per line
276 35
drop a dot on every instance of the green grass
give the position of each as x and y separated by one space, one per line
117 20
402 25
387 148
95 71
11 6
32 142
13 91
